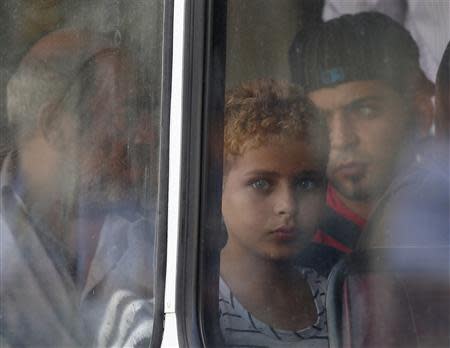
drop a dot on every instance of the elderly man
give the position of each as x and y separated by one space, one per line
363 72
73 236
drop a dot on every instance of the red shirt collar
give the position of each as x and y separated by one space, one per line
336 204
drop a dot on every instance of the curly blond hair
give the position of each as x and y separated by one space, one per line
263 109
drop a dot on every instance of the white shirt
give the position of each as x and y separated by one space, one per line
40 302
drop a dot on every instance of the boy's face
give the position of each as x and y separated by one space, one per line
272 199
368 125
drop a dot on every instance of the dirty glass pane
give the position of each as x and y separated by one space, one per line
335 196
79 129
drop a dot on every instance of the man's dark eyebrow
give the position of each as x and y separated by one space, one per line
361 101
356 103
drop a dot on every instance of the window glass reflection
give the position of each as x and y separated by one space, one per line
79 177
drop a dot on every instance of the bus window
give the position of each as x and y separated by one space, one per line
82 170
329 153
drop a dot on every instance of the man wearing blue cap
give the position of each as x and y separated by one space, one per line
363 72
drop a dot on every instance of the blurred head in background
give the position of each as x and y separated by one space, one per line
82 125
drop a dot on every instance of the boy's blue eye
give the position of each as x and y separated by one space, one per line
260 184
307 184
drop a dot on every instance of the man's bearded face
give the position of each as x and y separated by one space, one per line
369 126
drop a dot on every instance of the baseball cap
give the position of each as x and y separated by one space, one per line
363 46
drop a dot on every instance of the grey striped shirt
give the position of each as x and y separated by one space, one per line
241 329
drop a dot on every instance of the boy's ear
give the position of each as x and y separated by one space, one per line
223 237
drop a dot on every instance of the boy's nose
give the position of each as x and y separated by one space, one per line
285 201
342 131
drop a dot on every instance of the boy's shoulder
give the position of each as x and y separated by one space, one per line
239 326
